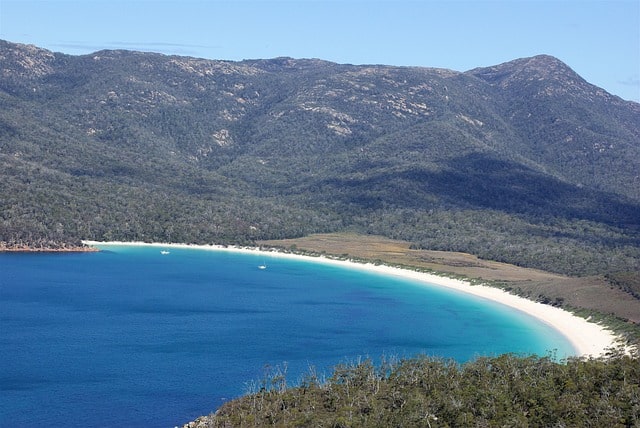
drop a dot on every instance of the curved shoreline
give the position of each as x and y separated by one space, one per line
587 338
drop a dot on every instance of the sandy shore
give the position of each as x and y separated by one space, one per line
587 338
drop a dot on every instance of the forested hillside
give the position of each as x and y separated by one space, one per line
523 162
504 391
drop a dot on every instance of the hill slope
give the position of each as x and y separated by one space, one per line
523 162
501 391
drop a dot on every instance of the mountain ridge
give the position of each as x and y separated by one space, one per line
144 146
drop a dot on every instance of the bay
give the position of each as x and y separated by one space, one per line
130 336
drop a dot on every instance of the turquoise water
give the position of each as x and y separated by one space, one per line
129 336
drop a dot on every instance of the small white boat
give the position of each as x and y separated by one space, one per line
164 252
262 267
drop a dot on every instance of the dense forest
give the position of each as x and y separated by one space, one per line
502 391
523 162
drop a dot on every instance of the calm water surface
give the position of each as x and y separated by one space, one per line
129 336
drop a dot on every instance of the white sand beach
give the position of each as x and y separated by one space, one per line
588 338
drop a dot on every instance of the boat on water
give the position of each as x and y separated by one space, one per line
164 252
262 266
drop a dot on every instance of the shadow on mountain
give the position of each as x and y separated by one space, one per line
479 181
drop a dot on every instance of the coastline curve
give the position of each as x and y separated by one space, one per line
587 338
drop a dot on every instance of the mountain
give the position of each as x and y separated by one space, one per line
523 162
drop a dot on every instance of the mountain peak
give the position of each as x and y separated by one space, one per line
536 68
541 76
24 61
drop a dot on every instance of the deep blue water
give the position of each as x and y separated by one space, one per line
130 337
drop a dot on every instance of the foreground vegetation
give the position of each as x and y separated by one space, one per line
503 391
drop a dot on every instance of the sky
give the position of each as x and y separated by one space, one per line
600 40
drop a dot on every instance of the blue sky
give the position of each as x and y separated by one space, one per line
600 40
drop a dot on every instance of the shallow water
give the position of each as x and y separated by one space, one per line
130 336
